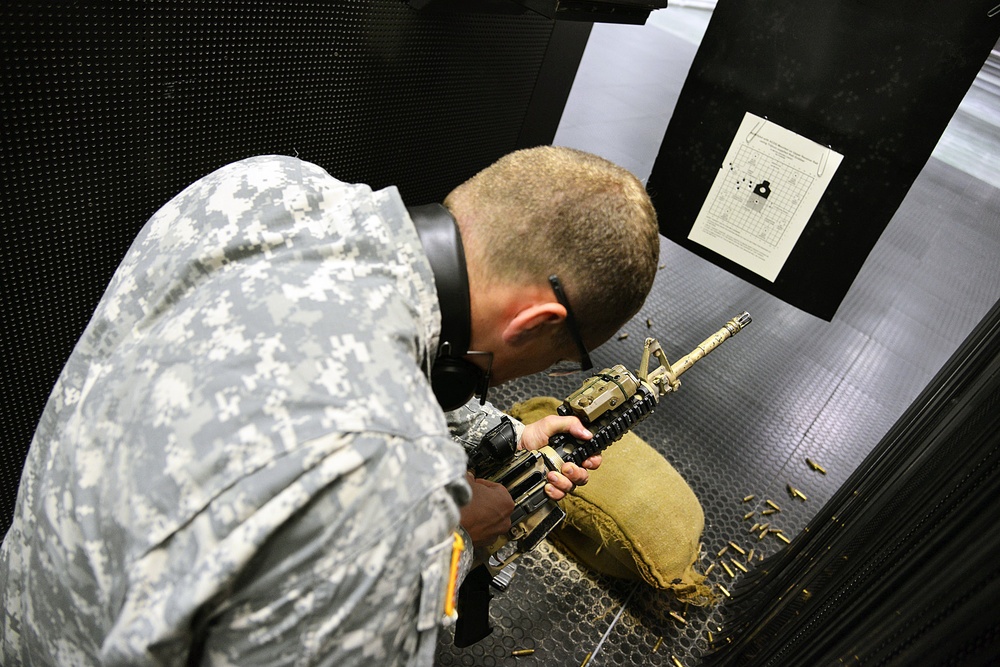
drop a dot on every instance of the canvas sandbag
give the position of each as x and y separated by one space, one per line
635 519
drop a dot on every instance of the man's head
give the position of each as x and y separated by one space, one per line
553 211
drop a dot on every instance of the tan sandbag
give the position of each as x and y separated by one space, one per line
570 540
635 519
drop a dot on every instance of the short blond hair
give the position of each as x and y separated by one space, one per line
554 210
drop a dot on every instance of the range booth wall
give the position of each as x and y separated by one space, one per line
111 108
899 567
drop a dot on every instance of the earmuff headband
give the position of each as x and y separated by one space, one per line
454 379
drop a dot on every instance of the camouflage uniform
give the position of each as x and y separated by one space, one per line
243 461
471 422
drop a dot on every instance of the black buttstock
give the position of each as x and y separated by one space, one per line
474 597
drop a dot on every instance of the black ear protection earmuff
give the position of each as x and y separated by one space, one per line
454 379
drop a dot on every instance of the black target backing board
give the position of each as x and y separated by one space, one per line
875 82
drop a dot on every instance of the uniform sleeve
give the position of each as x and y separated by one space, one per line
351 581
469 423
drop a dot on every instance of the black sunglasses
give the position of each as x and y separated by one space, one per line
569 367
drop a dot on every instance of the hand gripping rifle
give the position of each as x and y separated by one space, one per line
609 404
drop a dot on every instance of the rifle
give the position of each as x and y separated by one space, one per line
609 403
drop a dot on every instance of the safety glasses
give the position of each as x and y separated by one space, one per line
568 367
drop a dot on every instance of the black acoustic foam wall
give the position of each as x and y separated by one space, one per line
110 108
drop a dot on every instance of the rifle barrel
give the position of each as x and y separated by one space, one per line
730 329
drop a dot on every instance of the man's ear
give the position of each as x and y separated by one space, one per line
532 320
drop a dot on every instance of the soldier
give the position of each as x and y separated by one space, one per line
244 460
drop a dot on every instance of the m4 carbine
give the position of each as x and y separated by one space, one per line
609 404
